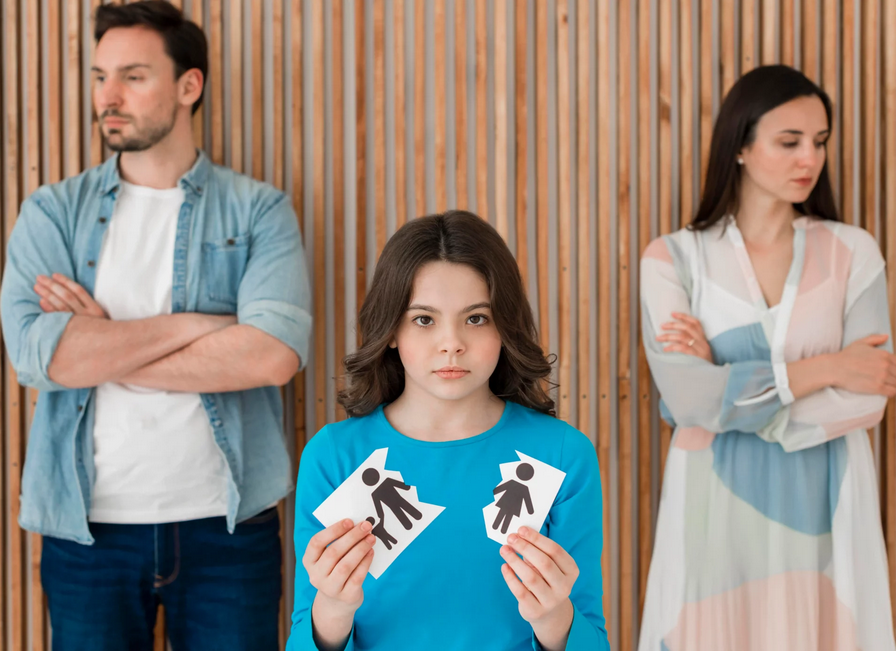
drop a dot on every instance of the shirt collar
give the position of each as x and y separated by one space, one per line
194 180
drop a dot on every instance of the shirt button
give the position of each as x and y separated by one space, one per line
80 407
91 263
102 220
231 241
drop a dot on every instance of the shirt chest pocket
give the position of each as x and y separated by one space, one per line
223 265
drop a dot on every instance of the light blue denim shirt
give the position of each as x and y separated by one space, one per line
237 250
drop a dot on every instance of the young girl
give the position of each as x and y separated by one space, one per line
449 377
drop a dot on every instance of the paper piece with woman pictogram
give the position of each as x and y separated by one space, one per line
382 498
523 498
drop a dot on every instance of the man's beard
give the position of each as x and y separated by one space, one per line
143 139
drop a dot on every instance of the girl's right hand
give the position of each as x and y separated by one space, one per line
862 367
337 560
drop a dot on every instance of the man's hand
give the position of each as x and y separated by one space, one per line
60 294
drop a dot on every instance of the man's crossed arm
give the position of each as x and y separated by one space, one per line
196 353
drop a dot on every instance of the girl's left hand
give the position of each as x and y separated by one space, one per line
541 581
685 335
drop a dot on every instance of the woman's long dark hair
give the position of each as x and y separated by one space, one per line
755 94
374 374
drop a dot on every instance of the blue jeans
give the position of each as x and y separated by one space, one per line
220 591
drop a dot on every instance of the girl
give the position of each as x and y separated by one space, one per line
767 331
450 378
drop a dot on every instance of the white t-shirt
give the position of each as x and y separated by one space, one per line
155 454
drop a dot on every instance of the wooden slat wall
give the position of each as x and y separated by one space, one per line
579 128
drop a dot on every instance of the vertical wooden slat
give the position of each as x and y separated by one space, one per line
623 321
14 632
829 79
870 147
236 85
277 20
73 129
541 169
297 169
198 120
401 204
809 38
439 81
707 71
379 116
96 137
32 175
339 194
564 272
54 98
481 109
645 101
361 152
848 154
603 275
318 194
748 54
258 115
216 78
419 109
583 218
521 191
727 46
769 35
502 219
460 103
665 163
160 638
786 30
889 170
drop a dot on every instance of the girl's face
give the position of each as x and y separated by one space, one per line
447 341
787 156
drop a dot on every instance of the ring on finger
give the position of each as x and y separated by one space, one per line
691 343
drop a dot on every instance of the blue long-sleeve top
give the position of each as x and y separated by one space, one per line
446 591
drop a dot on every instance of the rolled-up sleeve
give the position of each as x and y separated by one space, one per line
274 294
36 247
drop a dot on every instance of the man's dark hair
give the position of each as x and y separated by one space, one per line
185 43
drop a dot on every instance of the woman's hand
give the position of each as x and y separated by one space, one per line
862 367
541 581
685 335
337 560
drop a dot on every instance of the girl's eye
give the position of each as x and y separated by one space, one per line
422 320
477 320
790 145
819 145
135 78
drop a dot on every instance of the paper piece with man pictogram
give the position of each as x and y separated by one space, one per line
523 498
382 498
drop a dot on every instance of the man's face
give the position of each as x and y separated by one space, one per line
135 92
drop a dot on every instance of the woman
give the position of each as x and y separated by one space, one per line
767 331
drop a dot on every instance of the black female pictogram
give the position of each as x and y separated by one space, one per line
510 504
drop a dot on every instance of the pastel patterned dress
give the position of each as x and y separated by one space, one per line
769 532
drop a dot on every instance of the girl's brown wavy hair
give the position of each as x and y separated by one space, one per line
374 374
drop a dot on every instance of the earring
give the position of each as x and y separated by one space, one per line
740 161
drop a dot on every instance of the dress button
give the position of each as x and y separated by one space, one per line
91 263
102 220
231 241
80 407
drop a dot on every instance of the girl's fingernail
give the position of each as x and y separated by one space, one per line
366 526
347 524
512 538
524 531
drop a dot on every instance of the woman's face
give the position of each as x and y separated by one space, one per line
787 156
